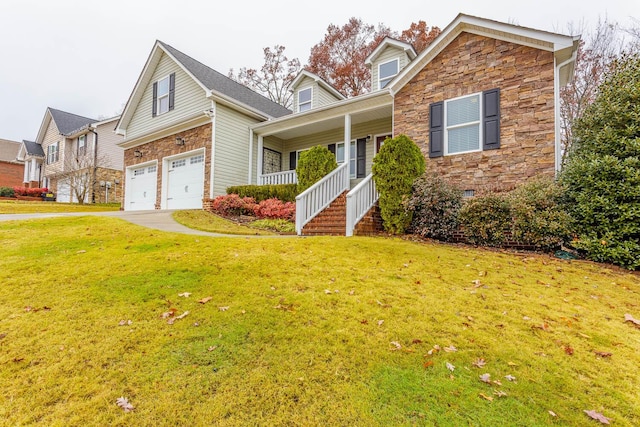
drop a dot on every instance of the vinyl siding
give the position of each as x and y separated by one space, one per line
334 136
107 148
387 55
189 99
320 96
231 157
324 97
51 136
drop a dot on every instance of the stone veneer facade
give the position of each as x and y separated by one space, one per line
471 64
198 137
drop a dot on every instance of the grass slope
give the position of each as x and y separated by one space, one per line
304 331
23 206
206 221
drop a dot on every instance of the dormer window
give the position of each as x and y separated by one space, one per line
304 99
164 95
386 72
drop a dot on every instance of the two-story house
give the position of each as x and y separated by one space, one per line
76 157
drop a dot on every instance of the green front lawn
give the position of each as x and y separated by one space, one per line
23 207
305 331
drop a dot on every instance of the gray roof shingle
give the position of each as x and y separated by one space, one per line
9 150
33 148
68 122
214 80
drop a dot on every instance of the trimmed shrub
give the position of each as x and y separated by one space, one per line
233 205
313 165
434 204
275 209
602 174
284 192
7 192
484 219
538 217
396 166
30 192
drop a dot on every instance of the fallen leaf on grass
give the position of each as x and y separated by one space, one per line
380 322
172 320
124 322
476 283
553 414
510 377
416 341
2 336
327 291
597 416
123 402
603 354
500 393
479 363
485 378
213 347
81 252
364 322
450 349
205 300
172 311
396 345
629 318
484 396
223 308
544 327
185 294
568 350
450 367
512 364
428 364
584 335
352 292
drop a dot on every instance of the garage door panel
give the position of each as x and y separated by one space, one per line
185 187
141 188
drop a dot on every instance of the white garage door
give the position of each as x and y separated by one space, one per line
64 191
141 188
185 186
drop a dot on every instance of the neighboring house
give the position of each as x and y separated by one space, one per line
186 132
481 102
76 157
10 167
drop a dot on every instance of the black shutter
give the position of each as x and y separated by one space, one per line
172 90
491 119
436 129
332 148
154 106
361 157
292 160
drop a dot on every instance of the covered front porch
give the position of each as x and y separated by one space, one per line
353 130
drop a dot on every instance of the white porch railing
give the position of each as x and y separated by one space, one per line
320 195
359 200
286 177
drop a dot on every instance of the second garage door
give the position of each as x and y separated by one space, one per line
141 188
185 182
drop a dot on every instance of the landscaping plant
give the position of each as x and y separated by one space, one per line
313 165
284 192
275 209
602 174
233 205
485 219
396 166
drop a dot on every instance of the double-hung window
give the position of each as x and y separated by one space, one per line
82 145
52 152
386 72
463 124
304 99
164 95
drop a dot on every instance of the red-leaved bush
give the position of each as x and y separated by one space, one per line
232 204
32 192
275 209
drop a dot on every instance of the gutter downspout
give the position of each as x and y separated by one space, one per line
95 159
556 88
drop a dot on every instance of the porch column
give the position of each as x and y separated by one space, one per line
250 177
259 166
33 169
347 142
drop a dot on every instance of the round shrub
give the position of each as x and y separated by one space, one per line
275 209
485 219
396 166
7 192
435 205
233 205
313 165
538 218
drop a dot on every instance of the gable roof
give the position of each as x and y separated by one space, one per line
322 82
388 41
32 148
213 83
563 47
9 151
68 122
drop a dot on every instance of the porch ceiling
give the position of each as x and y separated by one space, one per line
368 108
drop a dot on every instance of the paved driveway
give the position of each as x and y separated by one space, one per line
158 219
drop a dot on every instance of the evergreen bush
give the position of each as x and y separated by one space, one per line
396 166
485 219
284 192
313 165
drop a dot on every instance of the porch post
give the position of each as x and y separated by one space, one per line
259 166
32 170
249 178
347 142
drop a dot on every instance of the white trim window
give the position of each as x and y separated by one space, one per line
462 123
53 153
82 145
340 156
387 71
304 99
163 95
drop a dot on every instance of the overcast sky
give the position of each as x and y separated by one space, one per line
84 56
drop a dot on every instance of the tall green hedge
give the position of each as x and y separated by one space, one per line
396 166
313 165
602 174
283 192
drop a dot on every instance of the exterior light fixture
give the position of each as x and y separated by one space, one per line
137 153
179 141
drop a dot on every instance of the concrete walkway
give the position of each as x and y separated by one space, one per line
158 220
